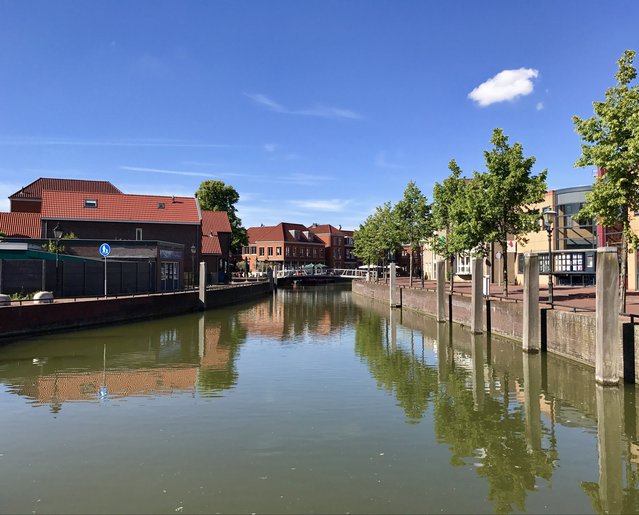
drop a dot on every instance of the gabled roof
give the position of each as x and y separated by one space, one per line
282 233
21 225
211 244
35 189
67 205
215 221
326 229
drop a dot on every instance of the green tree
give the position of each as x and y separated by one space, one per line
414 221
367 244
499 201
610 141
217 196
388 231
449 216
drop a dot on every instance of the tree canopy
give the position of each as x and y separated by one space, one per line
610 141
500 200
217 196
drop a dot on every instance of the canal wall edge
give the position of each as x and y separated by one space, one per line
31 319
568 334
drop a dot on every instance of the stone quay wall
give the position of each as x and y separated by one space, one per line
568 334
29 319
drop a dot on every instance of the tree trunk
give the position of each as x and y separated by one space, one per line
505 265
421 263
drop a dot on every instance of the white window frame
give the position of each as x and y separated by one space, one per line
462 265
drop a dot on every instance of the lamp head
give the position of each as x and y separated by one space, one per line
57 232
549 217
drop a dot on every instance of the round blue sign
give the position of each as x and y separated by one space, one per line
105 249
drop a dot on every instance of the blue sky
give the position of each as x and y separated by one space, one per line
313 111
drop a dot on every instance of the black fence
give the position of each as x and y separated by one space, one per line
76 278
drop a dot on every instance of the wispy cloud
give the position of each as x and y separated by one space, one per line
332 205
269 147
318 110
382 162
506 85
179 172
539 106
109 143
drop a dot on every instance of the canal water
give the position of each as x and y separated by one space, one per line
311 401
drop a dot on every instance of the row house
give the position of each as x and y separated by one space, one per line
285 245
334 241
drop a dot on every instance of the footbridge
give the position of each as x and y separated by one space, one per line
324 274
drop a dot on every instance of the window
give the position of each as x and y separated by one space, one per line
261 251
138 234
90 203
160 205
288 251
278 251
308 252
295 251
321 252
463 265
253 250
269 251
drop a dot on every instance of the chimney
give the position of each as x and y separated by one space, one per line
173 199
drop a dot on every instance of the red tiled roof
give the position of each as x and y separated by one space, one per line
211 244
215 221
35 189
21 225
281 232
330 229
67 205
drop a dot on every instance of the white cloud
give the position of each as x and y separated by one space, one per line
332 205
539 106
382 162
506 85
180 172
318 110
269 147
76 142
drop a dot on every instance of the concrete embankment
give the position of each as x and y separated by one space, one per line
565 333
28 319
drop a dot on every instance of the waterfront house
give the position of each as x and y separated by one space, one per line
334 242
285 245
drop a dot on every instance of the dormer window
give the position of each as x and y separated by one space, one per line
90 203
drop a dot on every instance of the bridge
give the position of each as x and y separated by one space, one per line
324 274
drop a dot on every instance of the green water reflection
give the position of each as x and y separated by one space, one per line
312 400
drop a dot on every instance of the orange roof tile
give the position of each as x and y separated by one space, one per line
282 232
35 189
21 225
66 205
211 244
215 221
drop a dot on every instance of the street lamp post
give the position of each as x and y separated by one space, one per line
57 233
549 220
193 250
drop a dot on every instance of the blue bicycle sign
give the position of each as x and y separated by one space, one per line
105 249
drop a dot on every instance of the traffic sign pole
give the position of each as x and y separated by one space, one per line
105 250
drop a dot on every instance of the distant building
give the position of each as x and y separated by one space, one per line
286 245
216 244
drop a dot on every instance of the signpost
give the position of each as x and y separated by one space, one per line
105 250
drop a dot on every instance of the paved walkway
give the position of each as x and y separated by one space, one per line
571 298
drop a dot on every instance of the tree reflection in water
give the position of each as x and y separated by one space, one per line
487 431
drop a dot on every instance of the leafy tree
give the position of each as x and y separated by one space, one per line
501 197
611 143
414 221
217 196
388 231
2 235
367 244
448 210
